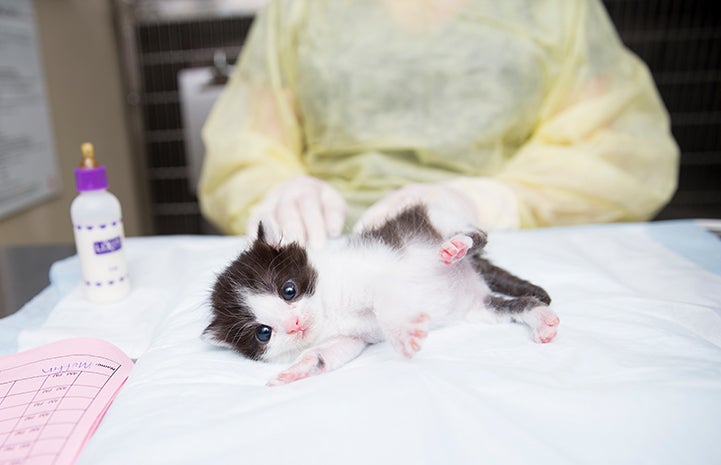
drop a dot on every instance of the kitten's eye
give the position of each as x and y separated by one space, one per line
262 333
288 290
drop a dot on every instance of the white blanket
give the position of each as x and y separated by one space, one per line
633 377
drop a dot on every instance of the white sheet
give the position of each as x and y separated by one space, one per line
161 270
634 375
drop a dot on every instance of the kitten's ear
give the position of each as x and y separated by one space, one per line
267 235
261 232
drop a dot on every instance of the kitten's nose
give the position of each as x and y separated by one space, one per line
293 325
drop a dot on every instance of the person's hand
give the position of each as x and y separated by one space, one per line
304 209
480 201
436 196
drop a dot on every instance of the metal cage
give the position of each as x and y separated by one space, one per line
159 39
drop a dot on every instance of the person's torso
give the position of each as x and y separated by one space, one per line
388 99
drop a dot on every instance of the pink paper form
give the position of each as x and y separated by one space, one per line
52 399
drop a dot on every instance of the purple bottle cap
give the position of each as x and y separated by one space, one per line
90 179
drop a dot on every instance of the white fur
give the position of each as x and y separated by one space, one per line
367 292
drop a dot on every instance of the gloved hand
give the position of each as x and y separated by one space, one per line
303 209
483 202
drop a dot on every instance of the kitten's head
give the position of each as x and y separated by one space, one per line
260 302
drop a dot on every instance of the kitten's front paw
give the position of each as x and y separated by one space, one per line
407 338
455 248
546 324
309 365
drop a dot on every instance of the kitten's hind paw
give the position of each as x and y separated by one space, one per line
407 338
545 325
455 248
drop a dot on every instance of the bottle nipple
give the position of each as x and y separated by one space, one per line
88 161
90 175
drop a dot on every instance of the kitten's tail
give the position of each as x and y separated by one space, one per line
503 282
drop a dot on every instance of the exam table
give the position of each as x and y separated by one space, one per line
633 377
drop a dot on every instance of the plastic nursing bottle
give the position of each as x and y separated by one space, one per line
99 238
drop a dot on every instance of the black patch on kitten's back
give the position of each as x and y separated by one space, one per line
409 225
262 269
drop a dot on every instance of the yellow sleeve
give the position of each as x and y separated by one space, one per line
602 150
252 136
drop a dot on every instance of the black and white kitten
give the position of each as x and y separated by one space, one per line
322 306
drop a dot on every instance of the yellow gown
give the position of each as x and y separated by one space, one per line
536 102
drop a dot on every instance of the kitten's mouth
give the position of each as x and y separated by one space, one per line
294 326
298 332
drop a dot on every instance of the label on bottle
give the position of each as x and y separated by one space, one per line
108 246
102 260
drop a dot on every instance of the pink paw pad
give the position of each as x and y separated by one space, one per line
455 248
410 336
547 326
